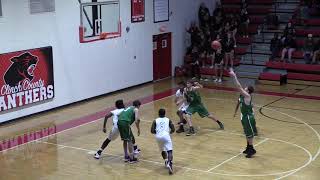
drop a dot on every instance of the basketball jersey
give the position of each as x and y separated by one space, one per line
127 115
246 110
115 114
162 126
195 95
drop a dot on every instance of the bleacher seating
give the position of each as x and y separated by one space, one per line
294 67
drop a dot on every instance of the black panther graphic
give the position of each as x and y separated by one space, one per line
22 68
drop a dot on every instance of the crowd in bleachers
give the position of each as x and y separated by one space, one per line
287 44
220 27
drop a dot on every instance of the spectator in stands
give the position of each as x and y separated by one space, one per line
228 47
218 59
195 64
275 46
308 49
194 35
289 46
316 53
289 30
244 18
204 15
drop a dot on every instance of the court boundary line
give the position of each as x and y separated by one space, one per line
215 167
313 158
170 90
194 169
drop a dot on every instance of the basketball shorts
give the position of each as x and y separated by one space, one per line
198 108
249 125
125 131
183 107
164 143
114 133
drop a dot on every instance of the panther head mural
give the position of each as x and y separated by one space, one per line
22 68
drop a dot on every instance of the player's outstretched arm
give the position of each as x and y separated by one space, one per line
237 83
105 121
153 127
137 120
172 129
197 85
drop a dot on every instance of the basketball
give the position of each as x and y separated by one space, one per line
215 45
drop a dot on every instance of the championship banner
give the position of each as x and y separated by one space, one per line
26 77
137 11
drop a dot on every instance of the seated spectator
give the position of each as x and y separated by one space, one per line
316 53
289 46
228 47
289 30
308 49
275 46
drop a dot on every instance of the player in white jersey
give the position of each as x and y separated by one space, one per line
162 127
182 105
114 133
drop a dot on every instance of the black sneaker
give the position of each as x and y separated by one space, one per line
191 132
250 153
180 130
126 159
134 160
221 125
170 168
246 151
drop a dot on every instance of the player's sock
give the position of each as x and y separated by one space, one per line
105 144
170 168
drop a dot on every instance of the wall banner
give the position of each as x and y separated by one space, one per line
26 77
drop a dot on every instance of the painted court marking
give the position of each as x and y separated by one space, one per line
290 172
215 167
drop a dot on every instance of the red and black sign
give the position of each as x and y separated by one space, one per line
137 11
26 77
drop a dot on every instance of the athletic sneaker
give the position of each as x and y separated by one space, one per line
250 153
180 130
220 80
97 155
137 151
170 168
132 161
216 80
126 159
191 132
221 125
246 150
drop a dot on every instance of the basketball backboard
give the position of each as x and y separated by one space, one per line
99 20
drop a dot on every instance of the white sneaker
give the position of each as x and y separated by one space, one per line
211 67
220 80
216 80
206 79
137 151
97 156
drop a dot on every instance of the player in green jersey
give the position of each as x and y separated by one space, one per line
127 117
247 114
196 105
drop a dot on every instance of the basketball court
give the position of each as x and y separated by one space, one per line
287 145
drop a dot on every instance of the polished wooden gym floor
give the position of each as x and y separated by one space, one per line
288 121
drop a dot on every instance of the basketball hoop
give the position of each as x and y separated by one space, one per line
103 35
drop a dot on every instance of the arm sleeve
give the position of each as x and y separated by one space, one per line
153 127
172 129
